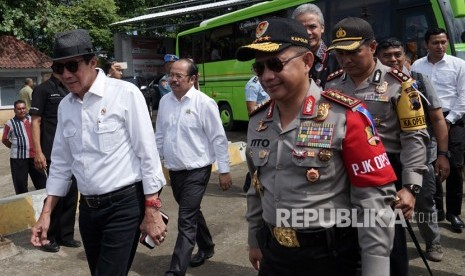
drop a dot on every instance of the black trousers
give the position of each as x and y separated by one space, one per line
64 216
110 233
399 257
20 168
332 257
454 183
188 189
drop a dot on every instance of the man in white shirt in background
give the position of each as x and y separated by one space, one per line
103 140
190 137
447 74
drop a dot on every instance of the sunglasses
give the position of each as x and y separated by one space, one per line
71 66
274 64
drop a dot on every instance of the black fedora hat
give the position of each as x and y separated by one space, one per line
72 44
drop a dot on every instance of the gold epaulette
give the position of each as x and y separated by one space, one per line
399 75
341 98
334 75
260 107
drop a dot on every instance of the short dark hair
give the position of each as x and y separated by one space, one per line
19 102
435 31
388 42
192 70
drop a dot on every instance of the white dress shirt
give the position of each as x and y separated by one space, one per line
448 78
105 140
189 132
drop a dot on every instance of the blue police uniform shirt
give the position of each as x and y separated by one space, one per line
254 91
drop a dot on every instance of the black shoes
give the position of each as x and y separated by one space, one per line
456 223
52 247
70 243
199 258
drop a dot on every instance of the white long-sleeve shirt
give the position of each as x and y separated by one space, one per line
105 140
190 134
448 78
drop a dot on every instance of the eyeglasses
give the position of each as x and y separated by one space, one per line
274 64
177 76
71 66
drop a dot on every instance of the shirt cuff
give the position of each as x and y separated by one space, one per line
223 167
411 177
375 265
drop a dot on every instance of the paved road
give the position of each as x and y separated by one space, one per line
224 212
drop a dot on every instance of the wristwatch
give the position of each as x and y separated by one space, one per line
414 189
153 203
445 153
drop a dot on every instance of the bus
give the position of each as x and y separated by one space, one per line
213 44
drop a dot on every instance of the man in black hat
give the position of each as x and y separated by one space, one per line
396 110
103 140
306 150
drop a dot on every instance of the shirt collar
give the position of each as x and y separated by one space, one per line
321 52
98 86
189 94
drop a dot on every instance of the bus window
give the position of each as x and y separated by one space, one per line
191 47
415 29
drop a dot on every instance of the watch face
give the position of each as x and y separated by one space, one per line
415 189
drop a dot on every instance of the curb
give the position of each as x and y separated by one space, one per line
20 212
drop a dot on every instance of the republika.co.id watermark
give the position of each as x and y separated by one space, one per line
306 218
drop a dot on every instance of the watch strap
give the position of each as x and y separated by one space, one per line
444 153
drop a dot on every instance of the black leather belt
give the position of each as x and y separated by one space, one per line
290 237
99 201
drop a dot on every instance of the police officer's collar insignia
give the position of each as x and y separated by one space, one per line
309 105
399 75
377 76
260 107
323 111
299 154
261 126
381 88
334 75
325 155
312 175
339 97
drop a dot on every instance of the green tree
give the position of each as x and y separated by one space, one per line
95 16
